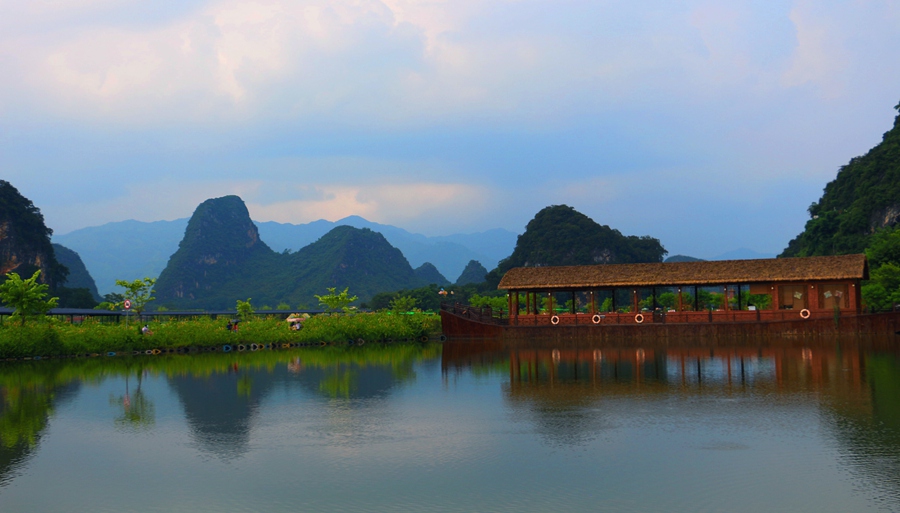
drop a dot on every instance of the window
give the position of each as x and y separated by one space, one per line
833 295
793 297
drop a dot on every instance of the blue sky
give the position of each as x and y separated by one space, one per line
709 125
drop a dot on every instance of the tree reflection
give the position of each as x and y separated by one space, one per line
137 411
28 393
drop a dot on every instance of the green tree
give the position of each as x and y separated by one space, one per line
403 304
26 297
334 301
244 310
139 292
496 303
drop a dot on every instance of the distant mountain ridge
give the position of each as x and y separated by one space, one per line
134 249
222 259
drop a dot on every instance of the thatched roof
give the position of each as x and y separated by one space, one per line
730 272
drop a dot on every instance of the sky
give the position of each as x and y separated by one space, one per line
709 125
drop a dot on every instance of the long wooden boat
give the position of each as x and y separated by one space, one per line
808 296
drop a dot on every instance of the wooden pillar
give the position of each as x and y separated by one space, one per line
614 300
593 303
680 301
634 301
854 302
776 297
550 303
573 302
696 298
813 294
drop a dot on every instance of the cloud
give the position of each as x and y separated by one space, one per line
441 114
399 204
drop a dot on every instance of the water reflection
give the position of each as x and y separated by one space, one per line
222 397
29 392
474 426
569 389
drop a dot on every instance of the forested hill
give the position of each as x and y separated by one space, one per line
25 239
221 259
79 277
560 235
863 198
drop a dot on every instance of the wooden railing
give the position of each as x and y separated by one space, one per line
501 317
484 314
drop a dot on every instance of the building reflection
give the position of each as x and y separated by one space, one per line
563 386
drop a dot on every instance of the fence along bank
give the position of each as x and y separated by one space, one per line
780 295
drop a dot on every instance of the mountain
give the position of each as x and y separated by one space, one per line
79 277
125 250
682 258
222 258
742 254
132 249
559 235
449 254
346 257
473 273
862 199
428 274
25 239
220 249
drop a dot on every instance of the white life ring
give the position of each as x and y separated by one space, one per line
596 319
804 313
554 320
639 318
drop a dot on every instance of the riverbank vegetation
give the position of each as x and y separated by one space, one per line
52 338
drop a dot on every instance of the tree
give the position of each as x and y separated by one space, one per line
26 297
333 301
139 292
403 304
495 302
244 310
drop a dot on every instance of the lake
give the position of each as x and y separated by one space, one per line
461 426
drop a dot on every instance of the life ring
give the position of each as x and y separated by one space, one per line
242 347
443 338
639 318
804 313
226 348
554 320
596 319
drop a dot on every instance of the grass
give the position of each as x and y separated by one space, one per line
56 338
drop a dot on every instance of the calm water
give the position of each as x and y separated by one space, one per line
476 426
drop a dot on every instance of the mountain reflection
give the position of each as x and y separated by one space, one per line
221 397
